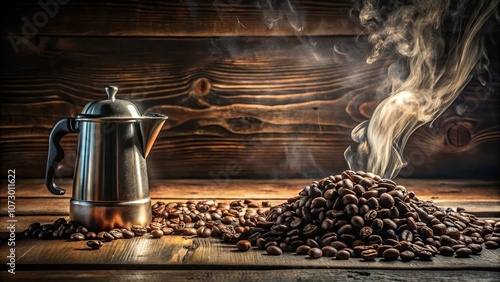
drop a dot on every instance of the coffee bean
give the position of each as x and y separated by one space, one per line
189 231
167 230
93 244
370 254
116 233
425 255
243 245
407 255
77 237
390 254
127 234
302 250
342 254
386 200
328 251
156 233
45 234
82 229
463 252
57 234
370 215
260 243
60 221
315 253
439 229
274 251
357 221
139 230
90 235
350 199
475 248
491 245
453 232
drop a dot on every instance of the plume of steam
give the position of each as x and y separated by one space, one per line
438 46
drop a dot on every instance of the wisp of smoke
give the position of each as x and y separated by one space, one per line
438 45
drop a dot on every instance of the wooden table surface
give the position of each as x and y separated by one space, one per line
182 258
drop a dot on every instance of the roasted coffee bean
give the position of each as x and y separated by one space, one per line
57 234
390 254
189 231
357 221
407 255
377 225
312 243
412 225
439 229
127 234
48 227
350 199
315 253
94 244
260 243
463 252
274 251
370 215
60 221
108 237
77 237
167 230
303 249
342 254
45 234
370 254
243 245
475 248
327 224
82 229
90 235
352 209
426 231
425 255
329 251
156 233
491 245
139 230
373 203
204 231
339 245
386 200
453 232
116 233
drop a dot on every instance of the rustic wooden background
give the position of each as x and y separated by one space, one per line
251 91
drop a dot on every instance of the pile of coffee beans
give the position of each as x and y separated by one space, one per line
353 214
358 214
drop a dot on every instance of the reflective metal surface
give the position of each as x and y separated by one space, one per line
110 187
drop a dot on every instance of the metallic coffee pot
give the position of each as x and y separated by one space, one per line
110 186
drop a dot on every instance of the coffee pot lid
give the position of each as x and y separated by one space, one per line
112 107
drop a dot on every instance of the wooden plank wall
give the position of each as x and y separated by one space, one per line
251 90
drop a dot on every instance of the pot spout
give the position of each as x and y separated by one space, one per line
150 126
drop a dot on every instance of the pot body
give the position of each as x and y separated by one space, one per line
110 186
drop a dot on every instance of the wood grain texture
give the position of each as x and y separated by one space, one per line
320 275
245 107
181 18
178 252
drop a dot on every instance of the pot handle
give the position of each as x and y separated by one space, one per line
56 153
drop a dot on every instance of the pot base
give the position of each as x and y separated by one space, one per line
104 216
